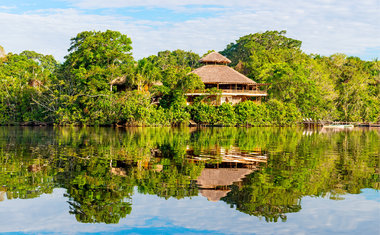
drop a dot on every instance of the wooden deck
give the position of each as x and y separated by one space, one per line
311 123
230 92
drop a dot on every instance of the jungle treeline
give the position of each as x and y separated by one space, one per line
100 83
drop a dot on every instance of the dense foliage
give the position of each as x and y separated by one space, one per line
322 88
100 83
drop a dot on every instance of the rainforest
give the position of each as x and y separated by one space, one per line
100 83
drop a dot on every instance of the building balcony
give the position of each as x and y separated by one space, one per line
230 92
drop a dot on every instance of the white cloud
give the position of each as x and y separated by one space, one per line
50 32
324 27
7 7
172 4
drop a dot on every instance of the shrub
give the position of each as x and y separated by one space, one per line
226 115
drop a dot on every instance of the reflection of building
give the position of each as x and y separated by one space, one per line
233 156
213 182
2 196
34 168
118 171
233 86
224 167
217 168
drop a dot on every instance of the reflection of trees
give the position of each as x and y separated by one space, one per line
24 184
95 195
24 173
257 199
318 166
99 167
173 180
95 205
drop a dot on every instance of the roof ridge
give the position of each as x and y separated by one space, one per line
215 57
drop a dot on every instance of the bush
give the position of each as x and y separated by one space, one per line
203 113
158 117
282 114
251 113
226 115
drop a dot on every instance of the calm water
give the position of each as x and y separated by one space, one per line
168 181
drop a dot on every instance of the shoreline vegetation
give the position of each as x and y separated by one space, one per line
100 84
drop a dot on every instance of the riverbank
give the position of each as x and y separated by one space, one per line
191 123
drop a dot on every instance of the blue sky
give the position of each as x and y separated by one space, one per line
324 26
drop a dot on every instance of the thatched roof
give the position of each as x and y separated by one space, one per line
215 58
119 81
213 195
157 83
221 74
35 83
210 178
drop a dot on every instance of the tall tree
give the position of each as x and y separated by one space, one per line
251 52
25 78
96 58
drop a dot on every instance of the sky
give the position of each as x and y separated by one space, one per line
325 27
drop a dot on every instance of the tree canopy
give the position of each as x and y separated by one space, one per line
100 83
322 88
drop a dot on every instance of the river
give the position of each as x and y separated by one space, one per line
189 180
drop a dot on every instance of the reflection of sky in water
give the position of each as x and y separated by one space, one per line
357 213
371 194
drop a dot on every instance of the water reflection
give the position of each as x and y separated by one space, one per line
263 172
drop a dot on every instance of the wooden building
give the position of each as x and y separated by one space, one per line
233 86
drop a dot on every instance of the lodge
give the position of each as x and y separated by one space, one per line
233 86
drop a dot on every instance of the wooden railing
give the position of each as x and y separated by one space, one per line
233 91
243 91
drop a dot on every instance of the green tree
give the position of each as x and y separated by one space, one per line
26 79
251 52
95 59
146 73
358 88
177 58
